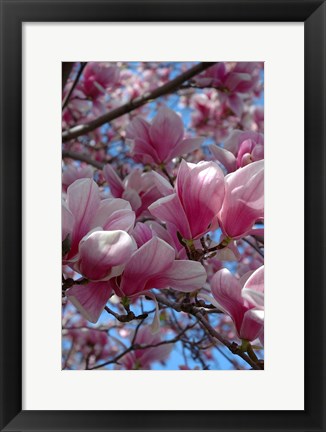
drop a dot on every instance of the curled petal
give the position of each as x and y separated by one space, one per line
244 200
253 290
169 209
142 233
162 184
152 259
185 276
133 197
83 201
90 299
114 214
137 134
166 131
234 140
252 325
224 156
205 180
186 146
226 290
113 180
101 251
138 128
236 104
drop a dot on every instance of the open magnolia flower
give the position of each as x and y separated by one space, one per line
240 149
97 78
162 140
233 85
102 254
84 210
243 204
242 299
153 265
138 188
193 207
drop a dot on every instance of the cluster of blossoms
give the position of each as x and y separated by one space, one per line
158 220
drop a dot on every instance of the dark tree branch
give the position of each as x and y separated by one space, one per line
196 312
83 158
66 69
165 89
72 88
127 318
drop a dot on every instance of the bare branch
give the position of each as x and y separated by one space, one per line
134 347
253 246
192 310
165 89
83 158
126 318
66 70
72 88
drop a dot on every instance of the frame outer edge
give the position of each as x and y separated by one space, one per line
315 215
10 217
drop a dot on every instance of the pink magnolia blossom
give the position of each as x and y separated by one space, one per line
192 209
253 119
98 77
244 200
211 116
90 299
240 149
102 254
231 84
142 233
90 342
138 188
89 96
153 265
142 358
242 299
253 290
162 140
84 210
236 138
249 151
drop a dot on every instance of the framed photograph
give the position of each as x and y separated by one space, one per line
164 163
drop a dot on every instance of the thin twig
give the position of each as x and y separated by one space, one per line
253 246
66 70
134 347
72 88
136 332
126 318
189 308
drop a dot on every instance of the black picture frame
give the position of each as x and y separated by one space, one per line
13 14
